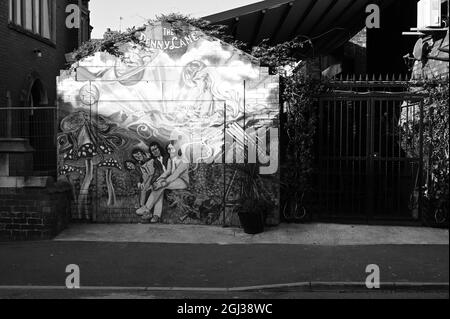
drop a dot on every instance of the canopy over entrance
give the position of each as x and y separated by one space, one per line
328 23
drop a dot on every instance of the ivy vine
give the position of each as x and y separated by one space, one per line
113 40
300 95
435 127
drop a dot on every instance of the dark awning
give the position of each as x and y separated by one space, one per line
329 23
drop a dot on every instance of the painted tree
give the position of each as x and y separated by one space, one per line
66 171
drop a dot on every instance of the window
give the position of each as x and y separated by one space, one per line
10 11
46 18
15 11
429 13
28 15
36 16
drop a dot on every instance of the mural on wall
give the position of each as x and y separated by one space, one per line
144 136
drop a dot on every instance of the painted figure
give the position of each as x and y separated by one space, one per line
155 170
161 164
145 167
176 177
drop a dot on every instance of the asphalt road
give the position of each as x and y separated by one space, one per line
206 266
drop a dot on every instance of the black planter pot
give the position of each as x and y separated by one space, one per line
252 222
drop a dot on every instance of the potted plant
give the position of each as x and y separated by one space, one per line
253 205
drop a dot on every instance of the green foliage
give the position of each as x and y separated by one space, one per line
113 40
301 96
283 54
254 196
435 136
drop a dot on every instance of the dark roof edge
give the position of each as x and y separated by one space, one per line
250 8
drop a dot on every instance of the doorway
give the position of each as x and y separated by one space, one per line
364 172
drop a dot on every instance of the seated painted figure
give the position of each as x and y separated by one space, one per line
175 177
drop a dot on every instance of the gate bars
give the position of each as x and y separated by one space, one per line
365 168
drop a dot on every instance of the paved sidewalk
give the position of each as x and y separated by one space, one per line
303 234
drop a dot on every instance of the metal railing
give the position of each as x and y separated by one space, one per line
38 125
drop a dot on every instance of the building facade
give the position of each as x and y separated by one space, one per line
34 40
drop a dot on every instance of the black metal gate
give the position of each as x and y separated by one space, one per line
364 171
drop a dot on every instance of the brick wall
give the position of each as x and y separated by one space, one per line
17 60
33 213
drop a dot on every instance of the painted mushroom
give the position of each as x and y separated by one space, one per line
66 170
86 141
106 150
110 164
70 155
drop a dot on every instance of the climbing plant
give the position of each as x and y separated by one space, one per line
112 40
300 95
276 56
435 128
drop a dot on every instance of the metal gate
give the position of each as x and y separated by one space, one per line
364 172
